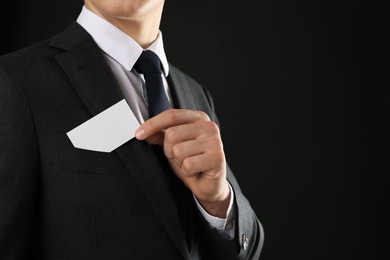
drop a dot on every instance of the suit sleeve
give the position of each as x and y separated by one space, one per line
249 234
19 164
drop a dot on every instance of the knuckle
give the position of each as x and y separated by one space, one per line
213 127
210 128
203 115
216 150
188 165
177 151
172 115
170 134
217 143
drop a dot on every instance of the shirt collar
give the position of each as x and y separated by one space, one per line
117 44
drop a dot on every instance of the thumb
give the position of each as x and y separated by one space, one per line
157 138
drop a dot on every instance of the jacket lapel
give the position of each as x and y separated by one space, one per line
180 90
93 80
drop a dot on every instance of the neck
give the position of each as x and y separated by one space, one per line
143 29
144 33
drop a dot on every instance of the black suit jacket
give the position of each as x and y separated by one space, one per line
58 202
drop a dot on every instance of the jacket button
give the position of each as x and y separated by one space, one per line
244 242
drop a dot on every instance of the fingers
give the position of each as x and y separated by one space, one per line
181 151
205 132
167 119
195 148
208 165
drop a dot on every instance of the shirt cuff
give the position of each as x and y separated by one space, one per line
224 226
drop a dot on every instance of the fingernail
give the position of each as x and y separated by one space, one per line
139 133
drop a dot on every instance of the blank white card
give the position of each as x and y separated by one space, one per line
107 130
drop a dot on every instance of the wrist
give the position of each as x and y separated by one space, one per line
219 206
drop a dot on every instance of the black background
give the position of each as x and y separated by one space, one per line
301 92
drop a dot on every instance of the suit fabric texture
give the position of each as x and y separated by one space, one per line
59 202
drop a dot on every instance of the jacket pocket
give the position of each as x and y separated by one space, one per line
90 162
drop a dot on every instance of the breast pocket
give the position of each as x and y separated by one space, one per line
90 162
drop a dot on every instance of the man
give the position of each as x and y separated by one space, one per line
168 193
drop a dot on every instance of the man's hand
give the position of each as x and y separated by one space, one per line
193 146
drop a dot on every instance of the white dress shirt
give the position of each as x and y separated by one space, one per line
121 52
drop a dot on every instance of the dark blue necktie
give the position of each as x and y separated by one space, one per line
149 65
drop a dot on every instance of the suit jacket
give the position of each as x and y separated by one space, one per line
58 202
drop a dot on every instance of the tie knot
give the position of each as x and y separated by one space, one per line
147 63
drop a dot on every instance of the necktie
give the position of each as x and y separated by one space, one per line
149 65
